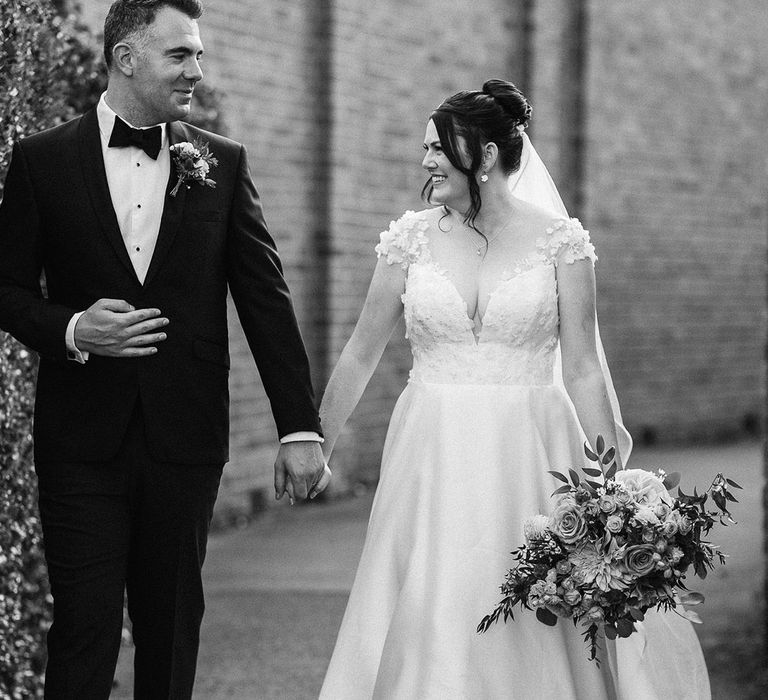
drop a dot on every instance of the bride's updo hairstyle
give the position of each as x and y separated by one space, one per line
499 113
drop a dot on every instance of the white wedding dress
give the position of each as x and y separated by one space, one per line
470 442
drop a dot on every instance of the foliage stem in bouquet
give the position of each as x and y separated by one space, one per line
615 544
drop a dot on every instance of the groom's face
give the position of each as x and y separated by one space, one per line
167 67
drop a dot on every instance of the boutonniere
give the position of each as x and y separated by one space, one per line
193 163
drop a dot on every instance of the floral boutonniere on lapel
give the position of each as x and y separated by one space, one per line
193 163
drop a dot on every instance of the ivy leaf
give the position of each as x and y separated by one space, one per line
625 627
611 632
546 616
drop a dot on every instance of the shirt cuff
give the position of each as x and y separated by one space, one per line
72 352
303 435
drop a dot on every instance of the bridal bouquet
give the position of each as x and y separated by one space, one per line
617 543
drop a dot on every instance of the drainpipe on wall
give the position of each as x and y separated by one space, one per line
317 286
573 91
520 55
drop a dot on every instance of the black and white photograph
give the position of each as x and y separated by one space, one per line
383 350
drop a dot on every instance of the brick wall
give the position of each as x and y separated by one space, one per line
676 197
262 55
674 188
394 63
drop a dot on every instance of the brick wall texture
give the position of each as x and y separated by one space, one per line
331 98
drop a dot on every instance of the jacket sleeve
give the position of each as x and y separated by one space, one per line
24 311
265 309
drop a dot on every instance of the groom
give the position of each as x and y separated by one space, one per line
131 416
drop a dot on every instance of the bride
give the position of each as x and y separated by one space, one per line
496 285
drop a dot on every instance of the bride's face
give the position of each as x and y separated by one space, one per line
449 185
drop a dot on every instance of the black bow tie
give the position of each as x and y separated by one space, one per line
147 140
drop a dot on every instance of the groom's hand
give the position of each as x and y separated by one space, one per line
114 328
298 467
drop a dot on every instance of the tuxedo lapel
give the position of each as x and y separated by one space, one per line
173 207
92 163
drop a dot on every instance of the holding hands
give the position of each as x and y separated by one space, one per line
300 470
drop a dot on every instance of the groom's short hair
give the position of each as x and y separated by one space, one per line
128 16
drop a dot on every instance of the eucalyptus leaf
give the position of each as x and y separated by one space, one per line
600 444
733 483
691 597
611 632
611 471
692 616
562 489
559 476
592 471
609 455
574 477
671 480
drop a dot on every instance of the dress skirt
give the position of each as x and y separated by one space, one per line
463 466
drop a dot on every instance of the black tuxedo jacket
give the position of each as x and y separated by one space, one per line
57 217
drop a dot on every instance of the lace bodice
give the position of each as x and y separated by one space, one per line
519 334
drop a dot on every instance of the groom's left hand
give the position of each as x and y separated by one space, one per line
298 467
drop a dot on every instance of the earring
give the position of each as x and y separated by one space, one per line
484 177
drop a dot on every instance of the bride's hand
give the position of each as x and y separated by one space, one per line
298 468
322 482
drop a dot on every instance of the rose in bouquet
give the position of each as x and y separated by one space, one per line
616 544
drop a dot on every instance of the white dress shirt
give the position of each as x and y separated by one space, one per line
137 185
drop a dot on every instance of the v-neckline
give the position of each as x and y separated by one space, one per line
518 271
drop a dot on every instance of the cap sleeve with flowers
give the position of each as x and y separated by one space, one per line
405 241
566 241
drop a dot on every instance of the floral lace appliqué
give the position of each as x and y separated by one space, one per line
520 327
567 241
405 242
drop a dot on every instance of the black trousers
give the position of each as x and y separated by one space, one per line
128 524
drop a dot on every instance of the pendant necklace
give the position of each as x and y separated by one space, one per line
487 242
